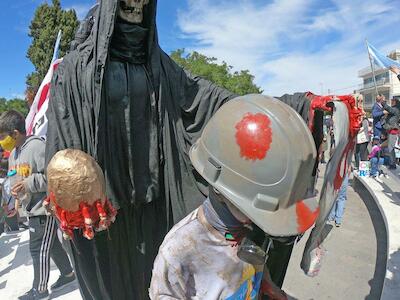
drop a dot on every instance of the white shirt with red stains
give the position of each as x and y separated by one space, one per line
196 262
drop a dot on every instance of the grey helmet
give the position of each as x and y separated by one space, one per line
259 153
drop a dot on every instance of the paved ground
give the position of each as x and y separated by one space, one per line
16 271
387 196
354 265
351 269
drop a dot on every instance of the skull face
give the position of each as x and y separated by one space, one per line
132 10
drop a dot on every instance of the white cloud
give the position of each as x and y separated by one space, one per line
292 45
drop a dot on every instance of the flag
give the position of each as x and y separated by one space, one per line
380 59
36 121
57 47
346 123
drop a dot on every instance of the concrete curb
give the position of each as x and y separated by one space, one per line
371 192
387 207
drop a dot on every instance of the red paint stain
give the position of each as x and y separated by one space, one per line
305 217
254 136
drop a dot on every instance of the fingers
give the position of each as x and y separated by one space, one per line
17 188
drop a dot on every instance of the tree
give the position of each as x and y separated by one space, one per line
19 105
240 83
46 23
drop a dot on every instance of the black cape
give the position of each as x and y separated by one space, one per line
118 264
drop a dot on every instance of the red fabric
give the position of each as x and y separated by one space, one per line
43 95
320 102
393 131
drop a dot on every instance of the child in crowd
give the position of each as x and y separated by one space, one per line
26 163
219 250
375 157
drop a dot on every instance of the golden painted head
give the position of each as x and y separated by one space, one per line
74 177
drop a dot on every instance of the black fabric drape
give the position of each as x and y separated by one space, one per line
118 264
300 102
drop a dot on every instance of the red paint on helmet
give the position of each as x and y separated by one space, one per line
305 217
254 136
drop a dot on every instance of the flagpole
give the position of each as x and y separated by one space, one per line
56 46
372 67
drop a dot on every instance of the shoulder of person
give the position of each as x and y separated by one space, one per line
35 142
181 240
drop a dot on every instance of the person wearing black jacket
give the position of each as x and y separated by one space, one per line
391 125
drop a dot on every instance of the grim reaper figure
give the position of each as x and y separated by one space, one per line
121 99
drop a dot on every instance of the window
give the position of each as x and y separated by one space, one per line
380 79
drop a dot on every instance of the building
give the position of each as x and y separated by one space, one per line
387 82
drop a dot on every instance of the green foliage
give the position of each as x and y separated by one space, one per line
46 23
240 83
16 104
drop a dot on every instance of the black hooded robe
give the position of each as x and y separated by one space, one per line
83 114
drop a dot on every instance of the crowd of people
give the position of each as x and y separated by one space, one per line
384 137
377 142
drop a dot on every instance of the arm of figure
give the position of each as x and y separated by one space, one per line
167 282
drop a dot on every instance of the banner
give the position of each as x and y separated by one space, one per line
36 121
364 169
335 172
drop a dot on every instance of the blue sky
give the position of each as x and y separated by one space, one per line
290 45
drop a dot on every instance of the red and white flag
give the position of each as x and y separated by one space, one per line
36 121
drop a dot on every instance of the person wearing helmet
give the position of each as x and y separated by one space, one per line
258 193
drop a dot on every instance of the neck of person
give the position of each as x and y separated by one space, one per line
231 224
